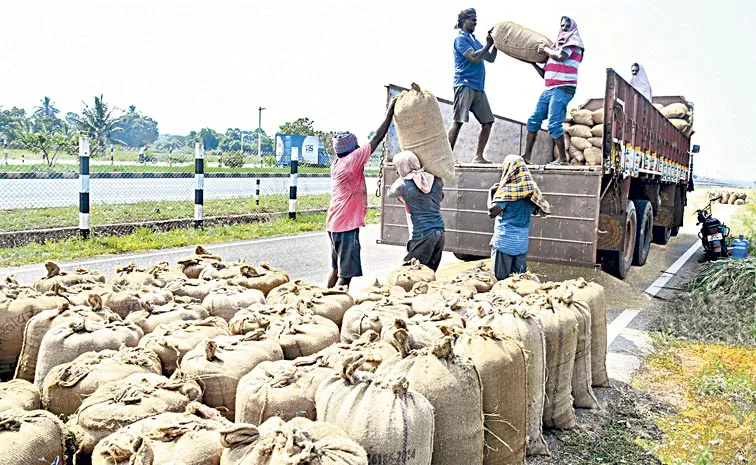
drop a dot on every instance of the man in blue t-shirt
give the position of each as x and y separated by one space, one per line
469 81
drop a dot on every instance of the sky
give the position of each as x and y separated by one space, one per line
191 64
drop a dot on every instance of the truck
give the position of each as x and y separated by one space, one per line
605 215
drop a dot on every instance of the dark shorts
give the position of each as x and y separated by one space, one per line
427 250
345 253
466 100
504 265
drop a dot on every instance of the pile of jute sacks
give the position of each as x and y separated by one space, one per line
208 362
729 197
584 136
678 114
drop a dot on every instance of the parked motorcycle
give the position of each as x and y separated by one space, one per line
713 233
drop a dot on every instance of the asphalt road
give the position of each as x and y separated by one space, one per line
46 193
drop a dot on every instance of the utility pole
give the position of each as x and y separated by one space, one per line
259 132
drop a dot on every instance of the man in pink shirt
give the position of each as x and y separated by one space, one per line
349 202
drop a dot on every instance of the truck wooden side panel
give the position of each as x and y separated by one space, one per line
568 236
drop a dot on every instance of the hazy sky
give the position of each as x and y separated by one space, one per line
191 64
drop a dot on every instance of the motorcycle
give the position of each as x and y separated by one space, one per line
713 233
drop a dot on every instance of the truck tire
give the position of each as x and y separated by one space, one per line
466 257
662 234
618 263
644 231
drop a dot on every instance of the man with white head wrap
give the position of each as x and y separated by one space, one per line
640 81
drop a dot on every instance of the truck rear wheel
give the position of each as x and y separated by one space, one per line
466 257
618 263
662 234
644 231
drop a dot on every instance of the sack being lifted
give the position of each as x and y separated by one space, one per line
420 129
519 42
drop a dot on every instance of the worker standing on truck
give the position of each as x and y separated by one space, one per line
421 193
561 77
469 81
346 214
514 200
640 81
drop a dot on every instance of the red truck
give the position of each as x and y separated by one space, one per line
601 215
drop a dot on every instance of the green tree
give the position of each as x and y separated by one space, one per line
46 108
100 124
306 126
138 129
209 138
49 145
45 117
10 121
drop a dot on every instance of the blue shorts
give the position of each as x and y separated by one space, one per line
552 105
345 253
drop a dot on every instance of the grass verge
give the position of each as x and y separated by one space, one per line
144 239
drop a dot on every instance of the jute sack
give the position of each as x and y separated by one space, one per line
453 387
598 116
298 442
67 385
41 323
164 273
576 155
376 292
171 341
681 125
424 330
518 322
659 106
227 300
329 303
593 156
370 349
263 277
579 143
501 362
121 403
194 288
422 304
519 42
66 342
579 130
410 274
593 295
420 129
371 316
283 388
676 111
20 394
221 270
16 310
152 295
303 333
189 438
523 284
479 277
193 265
78 294
66 278
446 290
134 276
560 331
584 117
393 423
28 437
152 316
218 364
597 142
597 131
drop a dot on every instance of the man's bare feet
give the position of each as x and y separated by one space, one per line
559 162
480 161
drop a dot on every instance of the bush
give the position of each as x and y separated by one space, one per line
234 159
174 158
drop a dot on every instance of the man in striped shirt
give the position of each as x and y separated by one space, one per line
561 76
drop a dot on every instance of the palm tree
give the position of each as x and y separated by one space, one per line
99 124
46 108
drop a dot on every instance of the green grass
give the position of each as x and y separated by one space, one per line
145 239
209 168
44 218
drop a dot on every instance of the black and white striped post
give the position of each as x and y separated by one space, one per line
84 187
199 178
257 191
293 183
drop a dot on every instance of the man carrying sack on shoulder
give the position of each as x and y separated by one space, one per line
469 81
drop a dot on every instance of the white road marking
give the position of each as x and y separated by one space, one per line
625 318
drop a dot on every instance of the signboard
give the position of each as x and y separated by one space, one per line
309 152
